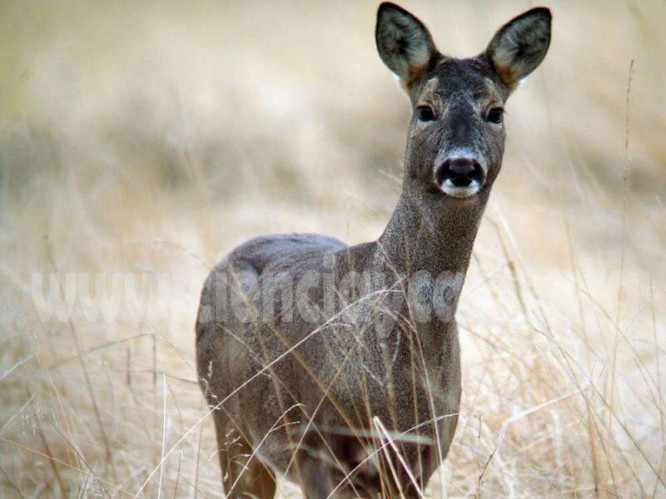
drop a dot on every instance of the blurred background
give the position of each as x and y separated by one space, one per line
141 141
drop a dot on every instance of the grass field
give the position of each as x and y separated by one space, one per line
141 141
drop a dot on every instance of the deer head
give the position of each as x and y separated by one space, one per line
456 132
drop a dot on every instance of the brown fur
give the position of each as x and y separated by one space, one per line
308 350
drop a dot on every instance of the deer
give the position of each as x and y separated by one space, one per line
338 367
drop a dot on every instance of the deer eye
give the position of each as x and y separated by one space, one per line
495 115
425 113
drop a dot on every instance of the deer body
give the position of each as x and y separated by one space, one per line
339 366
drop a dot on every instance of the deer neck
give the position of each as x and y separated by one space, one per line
437 236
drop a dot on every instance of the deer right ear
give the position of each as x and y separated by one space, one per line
404 43
520 45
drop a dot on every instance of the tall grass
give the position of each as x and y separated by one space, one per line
147 140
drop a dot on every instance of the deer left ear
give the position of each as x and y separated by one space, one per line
404 43
520 45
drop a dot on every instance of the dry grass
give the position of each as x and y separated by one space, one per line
151 138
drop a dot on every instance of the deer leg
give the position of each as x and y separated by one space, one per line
243 475
333 468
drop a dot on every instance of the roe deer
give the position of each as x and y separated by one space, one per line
336 366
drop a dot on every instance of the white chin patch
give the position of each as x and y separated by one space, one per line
456 191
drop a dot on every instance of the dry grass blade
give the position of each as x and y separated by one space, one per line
389 440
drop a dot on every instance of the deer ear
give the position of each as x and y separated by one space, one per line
404 43
520 45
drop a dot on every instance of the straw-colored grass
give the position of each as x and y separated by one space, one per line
145 140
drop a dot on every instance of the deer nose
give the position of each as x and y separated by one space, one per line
460 172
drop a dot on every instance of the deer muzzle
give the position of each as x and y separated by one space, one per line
460 177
